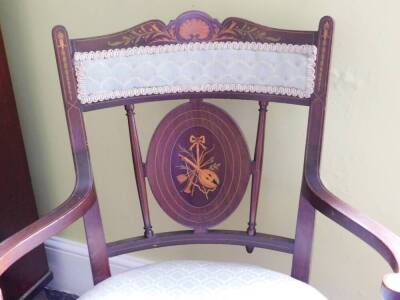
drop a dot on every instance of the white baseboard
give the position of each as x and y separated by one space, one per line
69 263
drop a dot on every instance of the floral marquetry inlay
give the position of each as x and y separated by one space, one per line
195 53
193 27
144 34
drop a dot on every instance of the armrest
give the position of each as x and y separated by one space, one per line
81 199
376 235
36 233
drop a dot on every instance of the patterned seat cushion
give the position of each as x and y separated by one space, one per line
201 280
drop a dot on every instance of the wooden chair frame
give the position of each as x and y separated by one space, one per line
314 195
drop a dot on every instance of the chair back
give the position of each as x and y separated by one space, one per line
198 164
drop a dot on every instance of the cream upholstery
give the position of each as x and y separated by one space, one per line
280 69
201 280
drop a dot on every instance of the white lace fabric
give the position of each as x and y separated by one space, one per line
201 280
281 69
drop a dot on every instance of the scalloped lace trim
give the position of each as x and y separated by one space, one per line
309 50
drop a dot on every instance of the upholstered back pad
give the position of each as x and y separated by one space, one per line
280 69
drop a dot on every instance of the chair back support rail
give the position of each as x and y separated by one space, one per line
198 164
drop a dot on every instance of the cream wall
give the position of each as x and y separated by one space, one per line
361 146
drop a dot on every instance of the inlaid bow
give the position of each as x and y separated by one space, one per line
197 141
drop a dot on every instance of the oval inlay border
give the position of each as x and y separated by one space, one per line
200 175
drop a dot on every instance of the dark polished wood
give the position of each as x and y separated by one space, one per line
257 170
193 26
227 237
96 244
196 26
139 170
17 203
303 237
202 95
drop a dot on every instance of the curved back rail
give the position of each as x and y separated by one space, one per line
201 175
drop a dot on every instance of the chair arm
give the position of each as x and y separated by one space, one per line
36 233
376 235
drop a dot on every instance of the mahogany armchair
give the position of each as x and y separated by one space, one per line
198 164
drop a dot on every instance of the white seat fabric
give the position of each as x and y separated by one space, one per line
200 280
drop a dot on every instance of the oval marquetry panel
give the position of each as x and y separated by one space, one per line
198 165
